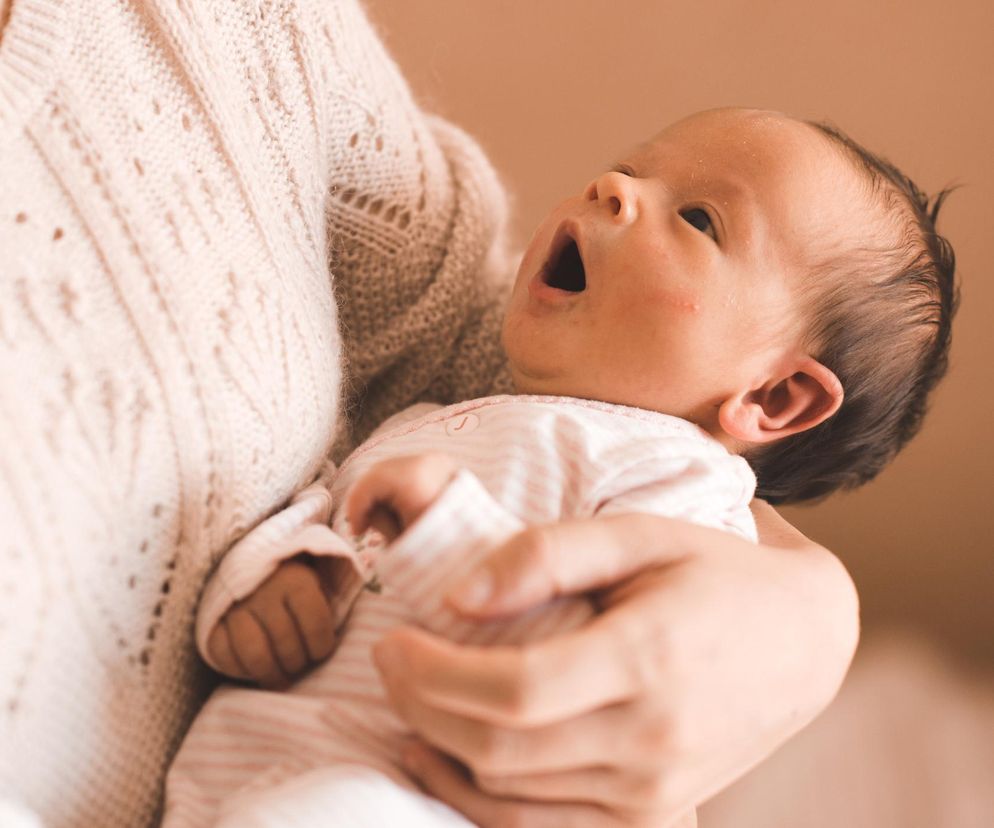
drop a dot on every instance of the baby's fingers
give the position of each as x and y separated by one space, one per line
285 638
314 622
400 488
222 655
252 648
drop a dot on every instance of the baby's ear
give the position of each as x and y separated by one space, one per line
783 405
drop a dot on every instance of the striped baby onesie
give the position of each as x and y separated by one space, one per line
324 752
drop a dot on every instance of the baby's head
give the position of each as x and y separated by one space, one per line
763 277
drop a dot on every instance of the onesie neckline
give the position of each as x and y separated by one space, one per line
680 426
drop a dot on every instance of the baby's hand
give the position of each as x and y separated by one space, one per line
280 630
394 493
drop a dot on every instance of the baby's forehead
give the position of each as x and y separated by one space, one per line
742 133
753 150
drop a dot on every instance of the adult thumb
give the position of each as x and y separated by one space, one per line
542 563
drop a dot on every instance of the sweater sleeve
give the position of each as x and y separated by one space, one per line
421 305
301 527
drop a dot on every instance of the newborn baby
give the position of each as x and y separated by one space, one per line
746 297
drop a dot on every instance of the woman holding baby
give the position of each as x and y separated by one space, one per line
178 182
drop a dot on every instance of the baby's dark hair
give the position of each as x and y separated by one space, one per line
882 324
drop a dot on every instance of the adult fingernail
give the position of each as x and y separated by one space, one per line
474 591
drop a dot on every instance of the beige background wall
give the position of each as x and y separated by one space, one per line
554 88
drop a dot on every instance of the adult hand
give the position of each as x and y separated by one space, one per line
708 653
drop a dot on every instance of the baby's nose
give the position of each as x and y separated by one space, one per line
615 191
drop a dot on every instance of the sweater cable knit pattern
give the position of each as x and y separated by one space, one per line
223 224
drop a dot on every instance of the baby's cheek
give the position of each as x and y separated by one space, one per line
672 300
666 293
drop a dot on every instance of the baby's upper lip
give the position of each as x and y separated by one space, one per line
568 230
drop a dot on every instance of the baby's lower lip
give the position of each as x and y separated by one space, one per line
544 293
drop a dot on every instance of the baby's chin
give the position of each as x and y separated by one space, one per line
524 384
531 382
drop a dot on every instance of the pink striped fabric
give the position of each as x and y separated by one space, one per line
325 751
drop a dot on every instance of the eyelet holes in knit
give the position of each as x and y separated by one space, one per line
392 214
378 142
369 202
22 218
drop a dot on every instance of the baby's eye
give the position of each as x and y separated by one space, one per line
700 220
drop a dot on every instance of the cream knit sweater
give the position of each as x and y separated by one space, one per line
207 209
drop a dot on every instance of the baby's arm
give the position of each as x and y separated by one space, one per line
271 608
286 623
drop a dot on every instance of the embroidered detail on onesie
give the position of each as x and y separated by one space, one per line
461 424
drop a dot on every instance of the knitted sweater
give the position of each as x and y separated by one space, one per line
222 224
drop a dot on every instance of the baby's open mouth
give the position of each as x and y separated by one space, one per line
564 269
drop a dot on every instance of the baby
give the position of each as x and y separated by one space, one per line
746 304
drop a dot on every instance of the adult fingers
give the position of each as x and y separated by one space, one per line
638 794
606 661
603 786
252 648
444 780
544 562
492 750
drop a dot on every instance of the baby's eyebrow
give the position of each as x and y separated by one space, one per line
721 185
621 167
733 189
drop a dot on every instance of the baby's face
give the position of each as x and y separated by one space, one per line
672 280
